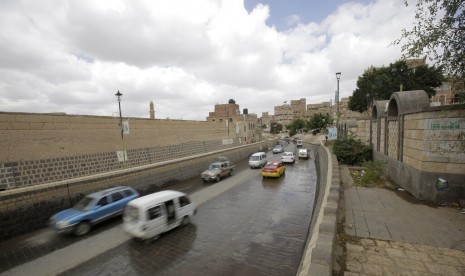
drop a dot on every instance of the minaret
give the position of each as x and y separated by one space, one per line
152 110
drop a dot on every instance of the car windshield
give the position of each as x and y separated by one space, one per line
214 167
287 154
277 147
131 212
271 166
83 203
254 158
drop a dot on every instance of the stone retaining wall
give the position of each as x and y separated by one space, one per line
43 148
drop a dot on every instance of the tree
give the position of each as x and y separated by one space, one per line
319 122
439 32
276 128
295 125
380 83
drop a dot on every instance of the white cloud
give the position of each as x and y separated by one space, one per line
186 56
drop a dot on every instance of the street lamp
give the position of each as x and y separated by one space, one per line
338 77
119 95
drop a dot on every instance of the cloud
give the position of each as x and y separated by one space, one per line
185 56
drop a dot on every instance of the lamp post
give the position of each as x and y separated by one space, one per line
338 77
119 95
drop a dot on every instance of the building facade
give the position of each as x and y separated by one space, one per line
245 126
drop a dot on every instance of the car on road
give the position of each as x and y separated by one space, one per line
278 149
273 169
288 157
299 143
258 160
304 153
92 209
149 216
218 170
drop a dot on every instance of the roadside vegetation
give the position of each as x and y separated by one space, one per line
370 175
351 151
316 124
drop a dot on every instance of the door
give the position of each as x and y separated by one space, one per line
101 210
156 221
170 212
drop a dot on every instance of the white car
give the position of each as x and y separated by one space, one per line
304 153
257 160
288 157
299 143
278 149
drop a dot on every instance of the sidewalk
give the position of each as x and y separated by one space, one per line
384 234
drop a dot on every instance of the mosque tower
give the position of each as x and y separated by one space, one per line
152 110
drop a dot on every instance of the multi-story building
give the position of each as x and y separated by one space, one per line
265 121
346 114
243 126
298 108
283 114
323 108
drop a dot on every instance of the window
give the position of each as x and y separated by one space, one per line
127 193
116 196
184 200
154 212
131 212
103 201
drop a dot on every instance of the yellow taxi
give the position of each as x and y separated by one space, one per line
273 169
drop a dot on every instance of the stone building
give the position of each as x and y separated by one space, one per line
298 108
244 126
283 114
324 107
266 121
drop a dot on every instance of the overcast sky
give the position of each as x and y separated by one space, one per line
187 56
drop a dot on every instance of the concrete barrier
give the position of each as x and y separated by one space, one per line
318 256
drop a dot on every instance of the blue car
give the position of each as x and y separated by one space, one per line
92 209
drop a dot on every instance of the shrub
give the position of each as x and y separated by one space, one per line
373 171
351 151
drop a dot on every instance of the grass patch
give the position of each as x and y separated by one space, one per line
370 175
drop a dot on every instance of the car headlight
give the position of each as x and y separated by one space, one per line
62 224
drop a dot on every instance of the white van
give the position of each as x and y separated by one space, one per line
257 160
149 216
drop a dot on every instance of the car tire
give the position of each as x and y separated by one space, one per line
149 240
230 173
217 179
185 220
82 228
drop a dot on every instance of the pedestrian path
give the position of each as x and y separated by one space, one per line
379 257
391 236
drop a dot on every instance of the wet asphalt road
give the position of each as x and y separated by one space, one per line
259 227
